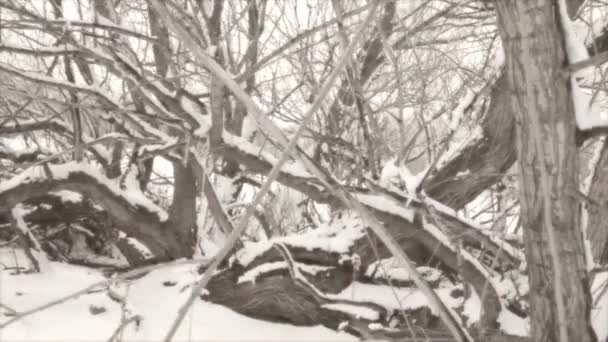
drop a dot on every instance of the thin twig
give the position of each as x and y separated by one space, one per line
122 326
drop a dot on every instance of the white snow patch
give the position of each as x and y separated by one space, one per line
386 204
358 311
393 298
513 324
337 236
294 168
195 110
67 196
458 112
401 177
464 173
588 115
472 308
499 55
392 269
252 274
148 296
250 127
140 247
575 47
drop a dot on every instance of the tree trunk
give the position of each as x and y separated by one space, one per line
542 103
182 215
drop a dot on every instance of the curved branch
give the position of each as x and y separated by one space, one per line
402 228
129 209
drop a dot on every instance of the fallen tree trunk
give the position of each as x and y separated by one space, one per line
257 281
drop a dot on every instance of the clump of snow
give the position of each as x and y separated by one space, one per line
386 204
400 176
575 47
225 188
512 286
499 55
294 168
472 308
588 115
462 174
67 196
197 112
357 311
458 112
376 326
394 298
337 236
140 247
512 324
252 274
392 269
250 127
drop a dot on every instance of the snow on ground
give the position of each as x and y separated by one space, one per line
156 297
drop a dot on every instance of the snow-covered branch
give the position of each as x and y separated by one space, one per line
128 207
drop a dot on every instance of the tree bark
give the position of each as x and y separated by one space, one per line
182 214
597 223
541 101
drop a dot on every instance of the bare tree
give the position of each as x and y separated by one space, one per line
98 95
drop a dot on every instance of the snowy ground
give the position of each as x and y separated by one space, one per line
79 319
156 298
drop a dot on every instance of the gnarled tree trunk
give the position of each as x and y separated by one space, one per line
542 103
